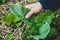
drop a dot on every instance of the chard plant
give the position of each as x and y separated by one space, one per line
38 27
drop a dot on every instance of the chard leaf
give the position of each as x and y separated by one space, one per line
19 10
43 31
45 17
43 21
10 19
32 19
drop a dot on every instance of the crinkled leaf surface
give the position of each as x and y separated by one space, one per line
45 17
43 21
10 18
43 31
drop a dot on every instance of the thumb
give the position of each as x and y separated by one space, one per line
29 14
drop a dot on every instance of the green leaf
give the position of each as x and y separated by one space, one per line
19 10
18 25
32 19
45 17
9 37
43 20
43 31
28 23
16 18
10 19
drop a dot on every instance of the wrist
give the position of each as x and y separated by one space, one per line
38 3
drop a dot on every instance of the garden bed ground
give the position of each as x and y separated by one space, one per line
5 30
17 32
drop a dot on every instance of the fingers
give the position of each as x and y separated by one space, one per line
29 14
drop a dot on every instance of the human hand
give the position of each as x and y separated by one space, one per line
34 9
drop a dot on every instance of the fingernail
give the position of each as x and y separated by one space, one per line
26 17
